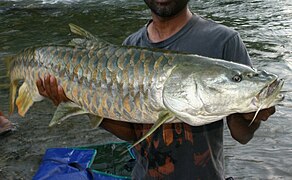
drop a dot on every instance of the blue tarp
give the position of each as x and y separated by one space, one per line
71 163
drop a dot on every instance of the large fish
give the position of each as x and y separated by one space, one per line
140 85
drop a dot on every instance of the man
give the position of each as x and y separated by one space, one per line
180 151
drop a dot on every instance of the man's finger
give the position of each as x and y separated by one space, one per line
41 88
47 86
62 94
54 90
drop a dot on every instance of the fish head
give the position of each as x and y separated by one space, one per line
203 93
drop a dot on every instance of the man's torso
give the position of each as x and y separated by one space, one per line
178 150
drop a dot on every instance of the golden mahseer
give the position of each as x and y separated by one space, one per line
139 85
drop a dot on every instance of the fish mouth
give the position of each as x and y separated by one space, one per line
274 86
272 90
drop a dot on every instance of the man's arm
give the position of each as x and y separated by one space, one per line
50 89
122 130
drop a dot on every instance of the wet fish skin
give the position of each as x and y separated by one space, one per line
112 82
140 85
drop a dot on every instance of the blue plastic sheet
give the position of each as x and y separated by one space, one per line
70 163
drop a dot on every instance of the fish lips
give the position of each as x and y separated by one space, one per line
272 90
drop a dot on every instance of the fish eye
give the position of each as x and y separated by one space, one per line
237 78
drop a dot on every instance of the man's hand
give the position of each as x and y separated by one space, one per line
263 115
50 89
240 125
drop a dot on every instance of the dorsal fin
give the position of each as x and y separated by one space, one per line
80 31
87 39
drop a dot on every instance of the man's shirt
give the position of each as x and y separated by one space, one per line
181 151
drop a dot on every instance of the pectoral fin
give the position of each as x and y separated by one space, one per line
163 117
66 110
95 120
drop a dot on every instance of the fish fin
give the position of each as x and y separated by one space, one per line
66 110
163 117
87 35
7 61
80 31
24 100
13 87
95 120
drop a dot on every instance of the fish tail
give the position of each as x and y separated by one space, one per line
27 92
13 84
12 94
8 60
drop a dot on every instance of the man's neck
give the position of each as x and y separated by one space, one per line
162 28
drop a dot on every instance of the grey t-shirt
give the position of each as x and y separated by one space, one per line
180 151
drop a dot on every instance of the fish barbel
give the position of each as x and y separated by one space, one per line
140 85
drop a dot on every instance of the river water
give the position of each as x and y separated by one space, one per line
264 25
